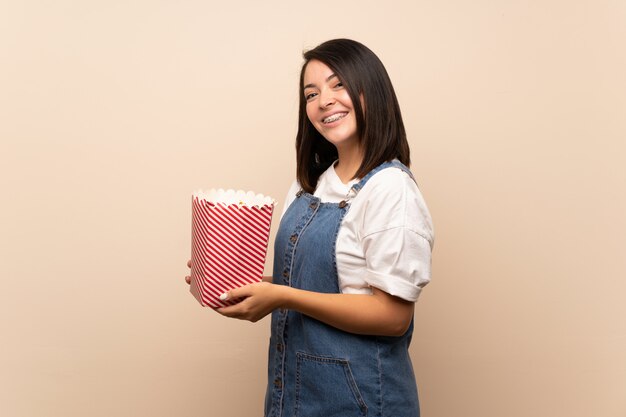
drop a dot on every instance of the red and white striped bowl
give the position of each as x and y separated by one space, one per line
228 243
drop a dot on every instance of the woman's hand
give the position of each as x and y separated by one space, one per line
259 299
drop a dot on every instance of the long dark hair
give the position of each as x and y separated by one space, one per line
380 128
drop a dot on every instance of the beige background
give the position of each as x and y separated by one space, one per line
112 112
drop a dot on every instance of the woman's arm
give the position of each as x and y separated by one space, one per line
377 314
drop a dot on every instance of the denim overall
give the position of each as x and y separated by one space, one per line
316 370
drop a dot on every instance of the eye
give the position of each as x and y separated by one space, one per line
339 85
309 96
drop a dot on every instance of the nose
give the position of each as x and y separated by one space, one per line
327 99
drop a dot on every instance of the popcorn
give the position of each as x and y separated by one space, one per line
230 233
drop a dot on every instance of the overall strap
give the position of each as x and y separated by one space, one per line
395 163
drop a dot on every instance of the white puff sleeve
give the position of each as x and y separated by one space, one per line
396 235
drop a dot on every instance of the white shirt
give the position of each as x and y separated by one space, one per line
386 237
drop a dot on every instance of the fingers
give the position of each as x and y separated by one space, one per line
230 311
239 311
238 295
241 292
188 278
233 311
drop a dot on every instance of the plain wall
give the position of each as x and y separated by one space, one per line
113 112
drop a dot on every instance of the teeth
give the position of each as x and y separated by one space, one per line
334 117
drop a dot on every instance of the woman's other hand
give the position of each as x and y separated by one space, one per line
188 277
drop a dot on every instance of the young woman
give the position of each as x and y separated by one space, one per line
352 252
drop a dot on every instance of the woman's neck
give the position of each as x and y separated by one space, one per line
348 163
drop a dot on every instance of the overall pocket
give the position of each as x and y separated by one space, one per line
325 387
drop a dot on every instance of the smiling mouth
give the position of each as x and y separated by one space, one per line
334 117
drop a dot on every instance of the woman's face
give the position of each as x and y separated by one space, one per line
328 105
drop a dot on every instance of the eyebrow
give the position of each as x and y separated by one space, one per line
330 77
